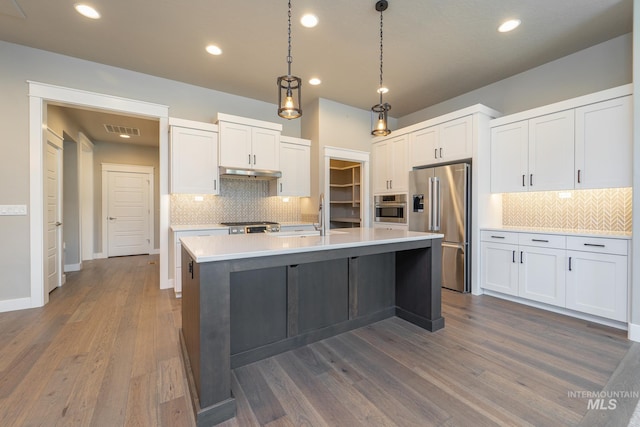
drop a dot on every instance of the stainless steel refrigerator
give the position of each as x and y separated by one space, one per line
440 203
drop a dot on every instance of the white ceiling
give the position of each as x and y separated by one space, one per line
433 49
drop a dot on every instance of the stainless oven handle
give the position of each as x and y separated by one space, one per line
390 205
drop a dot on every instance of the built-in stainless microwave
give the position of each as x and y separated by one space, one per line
391 208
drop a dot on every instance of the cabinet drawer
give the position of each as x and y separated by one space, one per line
542 240
598 244
499 237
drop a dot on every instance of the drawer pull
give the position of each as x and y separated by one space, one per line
569 263
513 257
521 262
497 237
594 245
540 240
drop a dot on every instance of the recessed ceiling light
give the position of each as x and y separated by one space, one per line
382 89
315 81
509 25
86 10
214 50
309 20
125 136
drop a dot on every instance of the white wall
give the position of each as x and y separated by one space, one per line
20 64
599 67
634 330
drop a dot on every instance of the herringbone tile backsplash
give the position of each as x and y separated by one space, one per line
239 200
596 210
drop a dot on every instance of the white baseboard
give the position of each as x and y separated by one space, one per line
15 304
634 332
167 285
72 267
155 251
99 255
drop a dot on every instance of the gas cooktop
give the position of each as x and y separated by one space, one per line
245 223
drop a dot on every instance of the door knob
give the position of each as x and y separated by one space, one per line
110 218
58 224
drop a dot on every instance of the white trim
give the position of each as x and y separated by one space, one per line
15 304
85 161
39 94
192 124
145 170
156 252
249 122
634 332
568 104
72 267
99 255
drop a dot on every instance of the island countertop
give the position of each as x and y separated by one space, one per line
223 248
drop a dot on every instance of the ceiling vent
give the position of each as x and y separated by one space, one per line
122 130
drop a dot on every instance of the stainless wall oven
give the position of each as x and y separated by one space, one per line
391 208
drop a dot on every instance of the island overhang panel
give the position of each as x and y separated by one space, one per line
239 310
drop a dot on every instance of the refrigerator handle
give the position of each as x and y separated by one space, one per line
430 205
436 203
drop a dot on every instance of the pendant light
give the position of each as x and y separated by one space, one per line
289 87
380 110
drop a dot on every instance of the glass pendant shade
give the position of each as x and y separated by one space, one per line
289 97
379 121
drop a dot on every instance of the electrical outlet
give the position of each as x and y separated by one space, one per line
13 210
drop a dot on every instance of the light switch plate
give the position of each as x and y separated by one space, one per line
13 210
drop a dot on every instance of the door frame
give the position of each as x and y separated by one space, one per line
39 95
356 156
113 167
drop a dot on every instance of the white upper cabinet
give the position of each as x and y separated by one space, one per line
449 141
510 157
248 144
248 147
295 162
194 158
551 152
390 165
581 143
604 144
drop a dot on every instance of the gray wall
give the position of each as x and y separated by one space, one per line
596 68
124 154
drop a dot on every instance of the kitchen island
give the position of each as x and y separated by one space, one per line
249 297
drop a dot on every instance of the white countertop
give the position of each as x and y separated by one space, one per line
564 232
228 247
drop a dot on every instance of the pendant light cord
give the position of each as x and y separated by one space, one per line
381 38
289 59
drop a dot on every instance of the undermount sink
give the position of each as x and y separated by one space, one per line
304 233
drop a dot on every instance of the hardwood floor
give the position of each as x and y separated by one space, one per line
105 351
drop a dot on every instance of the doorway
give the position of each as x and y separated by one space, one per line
53 206
39 95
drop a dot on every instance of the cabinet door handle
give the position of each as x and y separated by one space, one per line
497 237
215 184
569 263
390 184
578 176
254 159
521 262
513 257
531 180
281 187
540 240
191 268
594 245
249 158
440 152
523 184
435 153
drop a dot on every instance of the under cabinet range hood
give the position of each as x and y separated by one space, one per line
249 173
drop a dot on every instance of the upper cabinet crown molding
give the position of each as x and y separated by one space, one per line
568 104
222 117
192 124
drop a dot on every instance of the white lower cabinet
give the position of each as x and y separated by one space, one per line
588 275
597 281
177 252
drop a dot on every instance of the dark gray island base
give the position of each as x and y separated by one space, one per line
238 311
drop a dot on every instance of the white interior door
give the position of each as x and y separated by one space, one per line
128 213
53 195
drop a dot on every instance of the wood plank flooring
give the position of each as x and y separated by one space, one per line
105 351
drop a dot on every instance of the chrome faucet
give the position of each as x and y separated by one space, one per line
321 226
